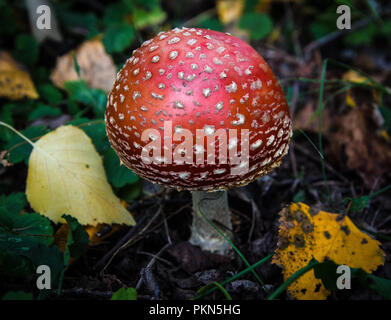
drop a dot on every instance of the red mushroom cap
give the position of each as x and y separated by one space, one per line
186 86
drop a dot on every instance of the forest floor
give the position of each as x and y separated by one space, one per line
155 257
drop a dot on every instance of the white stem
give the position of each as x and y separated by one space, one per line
214 206
17 132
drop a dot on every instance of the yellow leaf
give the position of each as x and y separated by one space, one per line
385 135
97 233
15 83
274 35
66 176
229 10
97 68
354 76
349 100
305 233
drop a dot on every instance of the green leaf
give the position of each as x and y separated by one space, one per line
117 175
14 264
50 93
358 204
299 196
50 256
319 29
26 49
19 149
145 18
42 111
19 232
13 203
250 5
258 24
6 116
118 37
125 294
81 92
327 272
115 13
77 238
381 285
361 37
130 192
211 23
18 295
73 107
22 256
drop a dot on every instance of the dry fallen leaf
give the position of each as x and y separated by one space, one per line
15 83
66 176
354 76
305 233
96 66
357 143
96 234
306 119
229 10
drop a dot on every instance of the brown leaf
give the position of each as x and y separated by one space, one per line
96 66
356 143
305 119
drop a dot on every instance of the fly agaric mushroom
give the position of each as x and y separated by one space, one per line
199 110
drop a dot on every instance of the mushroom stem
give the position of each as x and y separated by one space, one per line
214 207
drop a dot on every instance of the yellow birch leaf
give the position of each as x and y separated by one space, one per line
66 176
15 83
305 233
